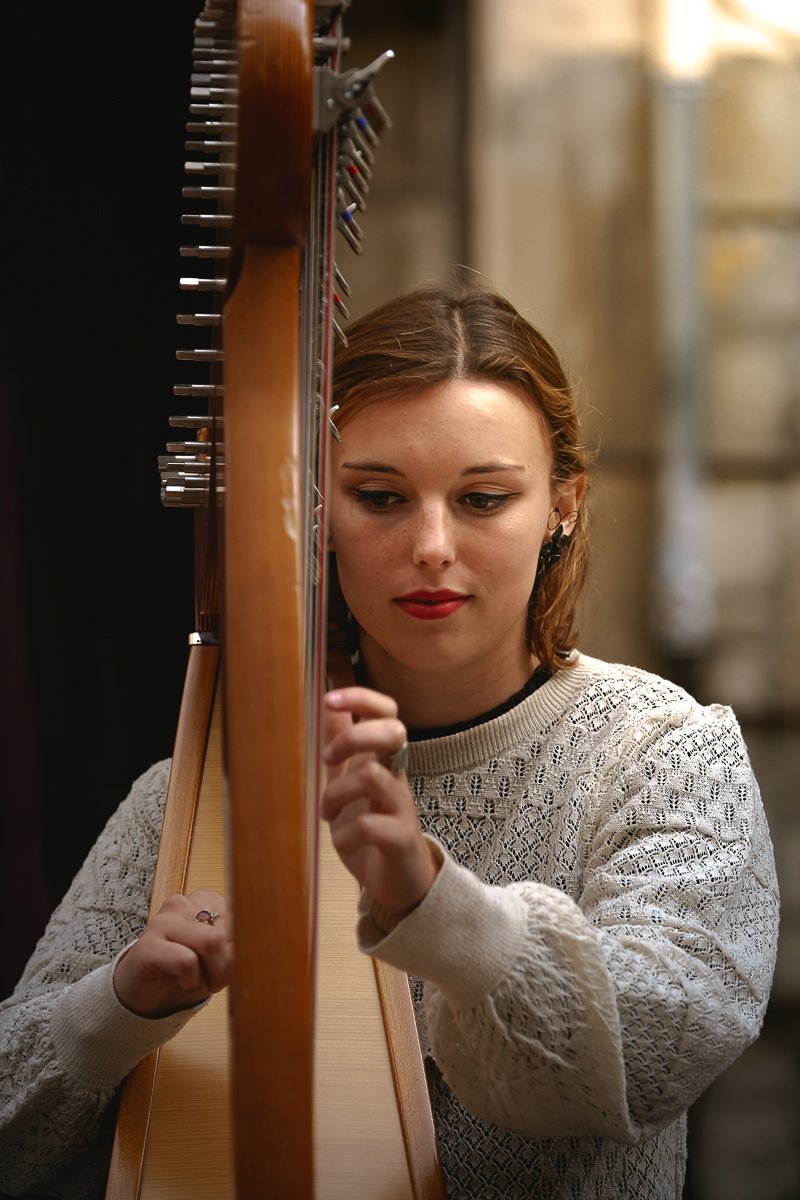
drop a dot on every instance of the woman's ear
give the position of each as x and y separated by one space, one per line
568 495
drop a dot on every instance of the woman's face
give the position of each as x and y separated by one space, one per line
440 501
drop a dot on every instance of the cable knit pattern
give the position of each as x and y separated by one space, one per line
600 942
65 1040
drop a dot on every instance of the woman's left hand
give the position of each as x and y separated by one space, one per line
373 823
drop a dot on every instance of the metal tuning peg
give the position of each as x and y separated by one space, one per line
199 318
190 284
188 468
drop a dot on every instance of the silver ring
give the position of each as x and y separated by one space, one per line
397 762
205 917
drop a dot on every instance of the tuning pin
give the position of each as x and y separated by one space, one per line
200 447
183 464
208 31
199 318
208 220
186 496
226 51
206 127
220 252
189 284
212 109
212 94
194 422
208 168
200 355
208 147
198 389
211 77
207 193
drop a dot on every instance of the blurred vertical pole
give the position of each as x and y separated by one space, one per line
681 609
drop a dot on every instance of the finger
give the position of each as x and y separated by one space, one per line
350 811
362 702
214 952
183 965
369 782
335 723
381 831
186 907
208 941
193 954
210 908
159 974
380 736
204 900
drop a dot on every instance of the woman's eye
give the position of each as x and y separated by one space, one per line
486 501
373 498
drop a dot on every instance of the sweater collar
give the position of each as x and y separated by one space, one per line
529 718
424 733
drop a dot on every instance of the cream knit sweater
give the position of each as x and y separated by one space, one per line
598 946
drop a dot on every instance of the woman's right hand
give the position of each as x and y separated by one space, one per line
177 961
369 808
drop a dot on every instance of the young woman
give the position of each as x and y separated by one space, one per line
569 857
575 866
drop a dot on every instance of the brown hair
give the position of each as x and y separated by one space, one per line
437 333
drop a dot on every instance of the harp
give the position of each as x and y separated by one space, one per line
282 142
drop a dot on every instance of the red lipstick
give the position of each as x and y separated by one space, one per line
432 605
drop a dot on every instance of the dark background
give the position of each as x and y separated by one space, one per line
96 599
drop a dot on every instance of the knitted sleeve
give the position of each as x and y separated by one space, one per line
680 886
608 1014
65 1040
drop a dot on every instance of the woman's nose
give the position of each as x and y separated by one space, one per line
434 538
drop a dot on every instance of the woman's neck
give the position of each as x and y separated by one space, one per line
430 698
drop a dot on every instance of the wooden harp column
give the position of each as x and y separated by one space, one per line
263 637
282 149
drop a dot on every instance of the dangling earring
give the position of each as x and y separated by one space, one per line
558 543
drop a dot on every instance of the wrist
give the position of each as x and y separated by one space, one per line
386 917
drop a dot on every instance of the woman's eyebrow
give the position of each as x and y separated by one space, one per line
381 468
368 465
491 467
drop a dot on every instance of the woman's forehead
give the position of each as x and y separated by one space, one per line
459 407
456 430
